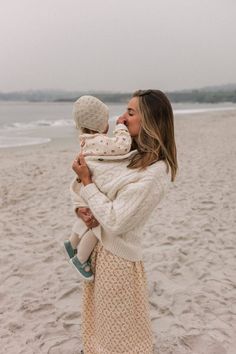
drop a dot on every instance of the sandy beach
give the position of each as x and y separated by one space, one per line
189 247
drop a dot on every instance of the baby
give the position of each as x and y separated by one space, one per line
91 119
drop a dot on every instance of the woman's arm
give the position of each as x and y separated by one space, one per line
133 204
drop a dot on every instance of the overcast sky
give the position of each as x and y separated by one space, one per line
116 44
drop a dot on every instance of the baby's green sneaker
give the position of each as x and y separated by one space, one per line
70 251
84 269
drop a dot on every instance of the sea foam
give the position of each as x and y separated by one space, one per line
6 142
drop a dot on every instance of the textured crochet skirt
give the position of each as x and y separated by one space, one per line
115 313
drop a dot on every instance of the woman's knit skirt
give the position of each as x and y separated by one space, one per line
115 316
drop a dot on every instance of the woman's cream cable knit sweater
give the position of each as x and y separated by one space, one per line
124 211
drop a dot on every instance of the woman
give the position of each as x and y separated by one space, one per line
115 307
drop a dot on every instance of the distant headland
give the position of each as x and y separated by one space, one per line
211 94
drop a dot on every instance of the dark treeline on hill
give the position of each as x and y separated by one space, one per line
225 93
105 97
61 96
200 96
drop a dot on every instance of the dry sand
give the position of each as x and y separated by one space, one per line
189 247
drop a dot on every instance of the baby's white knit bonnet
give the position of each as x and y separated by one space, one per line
91 113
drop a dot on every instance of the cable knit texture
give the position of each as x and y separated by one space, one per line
91 113
122 201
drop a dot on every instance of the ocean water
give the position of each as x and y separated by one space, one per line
25 123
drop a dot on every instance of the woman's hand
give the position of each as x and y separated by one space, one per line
81 169
88 218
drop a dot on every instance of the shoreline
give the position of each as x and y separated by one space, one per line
24 141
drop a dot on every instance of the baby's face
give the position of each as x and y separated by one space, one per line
106 130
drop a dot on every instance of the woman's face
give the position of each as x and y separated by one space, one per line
132 117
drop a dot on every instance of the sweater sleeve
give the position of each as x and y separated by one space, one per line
133 203
118 144
121 142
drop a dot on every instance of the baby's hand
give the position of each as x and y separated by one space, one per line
121 120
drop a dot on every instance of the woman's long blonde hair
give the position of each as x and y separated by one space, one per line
156 140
